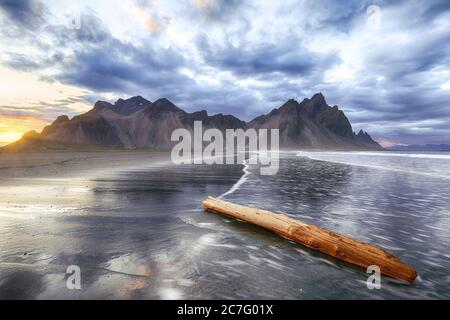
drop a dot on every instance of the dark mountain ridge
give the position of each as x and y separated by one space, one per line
139 123
313 124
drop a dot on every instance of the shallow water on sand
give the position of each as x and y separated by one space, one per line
141 233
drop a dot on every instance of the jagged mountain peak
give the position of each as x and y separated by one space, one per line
290 102
123 106
130 105
361 133
366 139
163 101
318 97
291 105
136 100
138 123
100 105
61 119
312 123
316 104
164 104
313 106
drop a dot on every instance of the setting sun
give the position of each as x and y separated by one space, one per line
13 127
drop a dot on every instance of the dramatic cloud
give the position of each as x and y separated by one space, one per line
28 13
285 57
385 63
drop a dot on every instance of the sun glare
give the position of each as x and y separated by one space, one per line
12 128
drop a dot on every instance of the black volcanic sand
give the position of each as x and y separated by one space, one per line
65 164
134 225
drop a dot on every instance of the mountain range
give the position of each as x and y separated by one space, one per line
136 123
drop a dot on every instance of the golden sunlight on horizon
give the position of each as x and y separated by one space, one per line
28 103
12 128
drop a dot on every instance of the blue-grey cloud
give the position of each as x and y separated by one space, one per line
243 64
219 10
28 13
285 57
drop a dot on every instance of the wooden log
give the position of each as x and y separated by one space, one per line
320 239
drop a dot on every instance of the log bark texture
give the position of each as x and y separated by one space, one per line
341 247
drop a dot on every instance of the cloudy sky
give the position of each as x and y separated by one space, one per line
385 63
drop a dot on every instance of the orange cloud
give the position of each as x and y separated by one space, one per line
204 3
149 22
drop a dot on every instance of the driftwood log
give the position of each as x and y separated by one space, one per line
323 240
